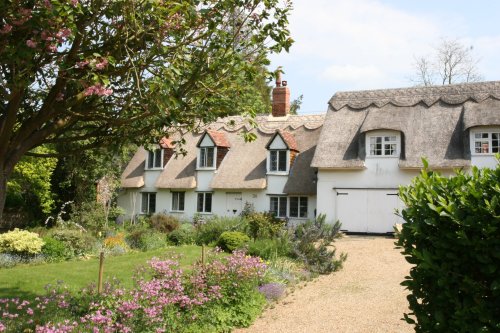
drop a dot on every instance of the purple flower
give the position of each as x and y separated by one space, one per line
272 291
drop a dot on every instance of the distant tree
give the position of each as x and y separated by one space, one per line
451 63
296 104
88 73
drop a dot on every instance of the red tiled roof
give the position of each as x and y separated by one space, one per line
166 143
219 138
289 140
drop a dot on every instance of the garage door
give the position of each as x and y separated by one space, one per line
368 210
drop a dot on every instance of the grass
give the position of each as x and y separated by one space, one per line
28 281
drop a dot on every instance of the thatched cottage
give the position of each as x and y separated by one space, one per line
347 164
221 172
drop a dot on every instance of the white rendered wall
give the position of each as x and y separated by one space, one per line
484 161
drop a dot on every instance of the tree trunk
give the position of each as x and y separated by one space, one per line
3 191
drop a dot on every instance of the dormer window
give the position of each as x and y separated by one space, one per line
383 144
206 157
212 148
278 160
282 150
155 158
486 142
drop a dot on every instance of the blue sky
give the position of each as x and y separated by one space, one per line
343 45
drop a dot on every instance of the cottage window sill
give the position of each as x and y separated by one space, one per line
277 173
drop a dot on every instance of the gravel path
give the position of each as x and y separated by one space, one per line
365 296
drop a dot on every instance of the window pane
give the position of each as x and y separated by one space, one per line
294 206
144 204
152 203
181 201
203 161
282 207
273 164
151 157
303 206
495 142
273 208
199 204
208 202
157 155
282 160
175 200
210 157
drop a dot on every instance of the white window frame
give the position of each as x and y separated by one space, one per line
490 149
302 211
155 159
147 209
204 204
178 197
280 202
387 138
203 157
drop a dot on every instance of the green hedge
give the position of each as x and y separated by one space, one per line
452 236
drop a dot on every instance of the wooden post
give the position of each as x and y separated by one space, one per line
101 269
203 254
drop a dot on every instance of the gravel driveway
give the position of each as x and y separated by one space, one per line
365 296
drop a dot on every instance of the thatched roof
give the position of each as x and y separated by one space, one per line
433 121
244 166
179 172
133 175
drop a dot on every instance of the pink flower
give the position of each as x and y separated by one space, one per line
6 29
31 43
29 311
101 65
97 89
51 48
74 3
82 64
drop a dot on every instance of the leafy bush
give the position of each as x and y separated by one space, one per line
264 225
313 245
76 241
185 235
210 231
55 250
451 236
280 246
20 242
144 239
232 240
273 291
164 223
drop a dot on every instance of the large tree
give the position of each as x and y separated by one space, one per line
452 62
82 74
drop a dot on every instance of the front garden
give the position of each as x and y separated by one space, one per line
158 278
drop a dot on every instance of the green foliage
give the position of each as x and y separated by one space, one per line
210 231
55 250
296 104
20 242
313 245
145 239
264 225
77 242
165 223
29 186
267 248
451 236
232 240
185 235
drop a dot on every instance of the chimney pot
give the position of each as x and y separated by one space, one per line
284 83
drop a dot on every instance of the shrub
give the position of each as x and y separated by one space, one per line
210 231
55 250
232 240
144 239
264 225
451 236
273 291
20 242
164 223
271 248
76 241
185 235
313 245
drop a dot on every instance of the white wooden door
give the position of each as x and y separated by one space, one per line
233 203
367 210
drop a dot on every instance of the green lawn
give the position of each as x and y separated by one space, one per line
28 281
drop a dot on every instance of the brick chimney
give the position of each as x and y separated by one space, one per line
281 98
